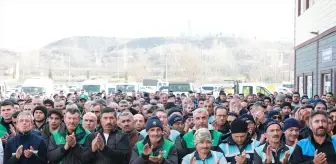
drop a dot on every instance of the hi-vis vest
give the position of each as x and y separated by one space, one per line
308 149
60 138
167 146
263 156
230 151
215 157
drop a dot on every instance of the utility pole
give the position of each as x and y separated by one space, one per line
69 69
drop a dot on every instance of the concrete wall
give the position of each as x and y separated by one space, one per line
319 17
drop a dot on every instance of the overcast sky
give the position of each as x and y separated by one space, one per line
31 24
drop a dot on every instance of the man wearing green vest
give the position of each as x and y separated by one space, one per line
154 149
185 145
66 145
7 110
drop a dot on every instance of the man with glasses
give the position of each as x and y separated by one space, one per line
220 124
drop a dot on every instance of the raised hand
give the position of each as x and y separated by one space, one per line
12 130
94 145
100 142
5 138
19 152
157 159
320 158
29 152
286 158
193 160
147 149
269 155
241 159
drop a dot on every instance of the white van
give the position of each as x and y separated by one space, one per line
35 86
180 87
128 87
95 85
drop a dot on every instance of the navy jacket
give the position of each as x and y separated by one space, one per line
27 140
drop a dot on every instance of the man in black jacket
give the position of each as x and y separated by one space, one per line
109 145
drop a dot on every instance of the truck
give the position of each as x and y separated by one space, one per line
128 87
180 87
38 85
95 85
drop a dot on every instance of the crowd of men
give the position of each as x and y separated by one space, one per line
163 128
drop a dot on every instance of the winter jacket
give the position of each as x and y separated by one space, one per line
168 148
260 154
45 132
231 150
27 140
212 158
185 145
114 152
74 155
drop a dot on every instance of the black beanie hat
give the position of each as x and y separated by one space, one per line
153 122
41 108
238 126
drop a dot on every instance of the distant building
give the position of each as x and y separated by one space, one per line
315 46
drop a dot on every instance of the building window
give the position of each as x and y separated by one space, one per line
326 83
309 86
299 7
301 85
303 6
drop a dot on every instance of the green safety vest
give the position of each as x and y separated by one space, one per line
3 130
167 146
60 138
189 138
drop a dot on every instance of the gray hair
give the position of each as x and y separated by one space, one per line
125 113
25 113
88 104
123 102
200 110
71 106
202 134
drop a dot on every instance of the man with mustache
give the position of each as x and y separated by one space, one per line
319 148
185 145
126 123
203 154
291 130
239 148
66 146
154 148
108 145
273 151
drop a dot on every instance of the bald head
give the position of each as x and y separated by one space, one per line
89 121
139 122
